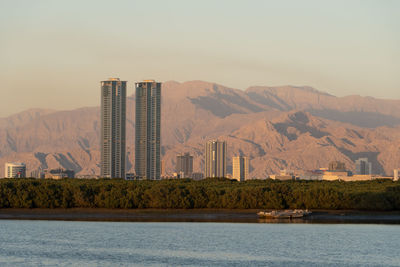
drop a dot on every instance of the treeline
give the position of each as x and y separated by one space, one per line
208 193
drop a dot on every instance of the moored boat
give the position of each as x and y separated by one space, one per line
284 214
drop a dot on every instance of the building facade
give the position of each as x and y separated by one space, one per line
363 166
15 170
396 174
184 165
337 166
162 168
215 160
148 130
113 125
59 173
38 173
197 175
240 168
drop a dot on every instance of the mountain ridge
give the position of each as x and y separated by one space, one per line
291 119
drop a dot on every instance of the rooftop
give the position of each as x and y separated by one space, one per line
15 163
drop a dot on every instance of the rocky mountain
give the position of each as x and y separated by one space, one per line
277 127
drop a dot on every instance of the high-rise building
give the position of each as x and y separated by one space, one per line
148 130
184 165
363 166
240 168
215 161
15 170
113 116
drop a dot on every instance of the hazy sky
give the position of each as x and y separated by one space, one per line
53 54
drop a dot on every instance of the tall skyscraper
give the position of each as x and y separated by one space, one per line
15 170
215 161
363 166
148 130
184 165
240 168
113 116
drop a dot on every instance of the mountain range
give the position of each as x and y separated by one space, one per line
286 127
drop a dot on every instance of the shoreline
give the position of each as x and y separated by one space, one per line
196 215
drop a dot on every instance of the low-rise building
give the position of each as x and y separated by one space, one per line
38 174
168 177
197 175
363 166
87 176
178 175
337 166
184 165
132 177
282 177
347 178
15 170
309 175
59 173
396 174
325 174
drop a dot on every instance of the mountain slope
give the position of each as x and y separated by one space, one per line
361 111
277 127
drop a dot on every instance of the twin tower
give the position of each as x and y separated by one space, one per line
147 129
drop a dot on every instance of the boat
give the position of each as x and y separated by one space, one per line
284 214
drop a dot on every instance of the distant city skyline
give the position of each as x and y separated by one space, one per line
51 52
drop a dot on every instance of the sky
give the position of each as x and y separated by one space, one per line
53 54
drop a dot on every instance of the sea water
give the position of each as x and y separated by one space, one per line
68 243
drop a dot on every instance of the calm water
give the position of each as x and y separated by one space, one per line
40 243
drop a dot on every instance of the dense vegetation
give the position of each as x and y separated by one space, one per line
208 193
